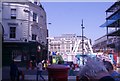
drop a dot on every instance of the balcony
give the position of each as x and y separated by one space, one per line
113 9
113 15
112 24
115 33
112 43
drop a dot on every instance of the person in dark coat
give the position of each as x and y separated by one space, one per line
14 72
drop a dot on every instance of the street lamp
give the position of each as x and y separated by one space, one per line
48 42
82 42
39 55
1 45
38 48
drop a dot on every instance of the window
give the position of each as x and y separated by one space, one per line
41 16
67 47
34 16
34 37
51 47
62 47
58 47
35 2
12 32
13 13
67 50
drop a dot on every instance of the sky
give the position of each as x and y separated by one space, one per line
66 18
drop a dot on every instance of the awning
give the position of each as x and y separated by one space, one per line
107 23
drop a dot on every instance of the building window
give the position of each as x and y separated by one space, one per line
34 37
41 16
67 47
12 32
35 2
54 47
34 17
62 47
58 47
51 47
13 13
67 50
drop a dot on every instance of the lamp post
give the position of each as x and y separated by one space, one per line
38 53
39 48
82 42
1 45
48 43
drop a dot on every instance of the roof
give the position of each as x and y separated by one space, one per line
110 9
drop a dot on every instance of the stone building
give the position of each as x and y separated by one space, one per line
25 31
69 46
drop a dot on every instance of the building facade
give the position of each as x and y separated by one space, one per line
109 43
113 26
101 44
25 31
69 45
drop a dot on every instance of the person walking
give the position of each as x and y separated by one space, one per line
39 71
71 69
14 72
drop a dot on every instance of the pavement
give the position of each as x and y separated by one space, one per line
30 75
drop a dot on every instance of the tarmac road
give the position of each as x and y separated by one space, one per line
30 74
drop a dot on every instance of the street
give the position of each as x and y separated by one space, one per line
30 74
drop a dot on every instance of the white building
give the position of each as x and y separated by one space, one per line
69 45
24 22
25 27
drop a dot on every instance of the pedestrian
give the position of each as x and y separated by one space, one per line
111 70
14 72
59 62
71 69
21 74
34 64
39 71
115 63
30 64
